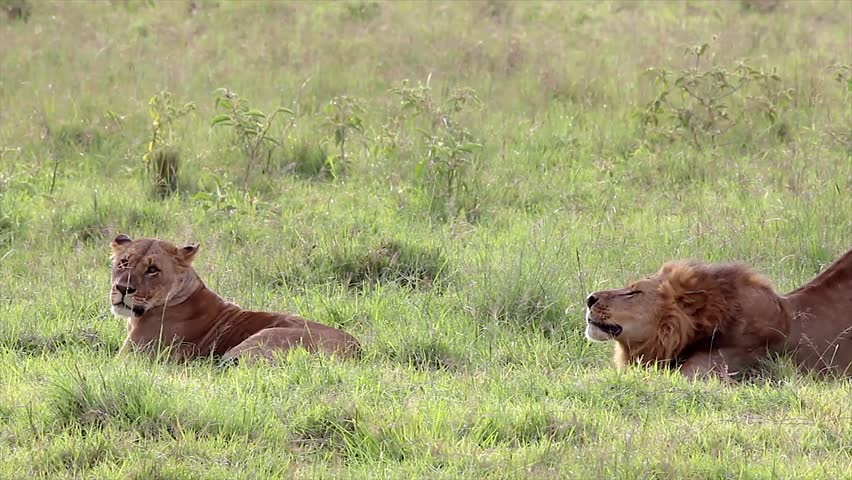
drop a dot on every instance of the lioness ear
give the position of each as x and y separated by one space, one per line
187 252
120 241
692 301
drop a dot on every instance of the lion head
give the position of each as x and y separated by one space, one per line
658 318
149 273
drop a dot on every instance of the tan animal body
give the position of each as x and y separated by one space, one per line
167 305
724 318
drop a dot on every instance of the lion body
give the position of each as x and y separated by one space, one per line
725 318
173 308
821 331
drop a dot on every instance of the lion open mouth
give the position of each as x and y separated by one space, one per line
611 330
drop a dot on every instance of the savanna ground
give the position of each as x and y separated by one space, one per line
454 223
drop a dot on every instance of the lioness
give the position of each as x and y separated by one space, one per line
167 305
723 318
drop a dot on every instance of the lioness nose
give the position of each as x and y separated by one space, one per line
591 300
125 290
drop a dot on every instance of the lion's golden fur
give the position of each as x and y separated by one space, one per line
725 318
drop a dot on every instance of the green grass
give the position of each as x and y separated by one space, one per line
470 313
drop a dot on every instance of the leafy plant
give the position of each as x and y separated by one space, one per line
362 10
843 74
343 114
702 104
842 134
250 126
161 158
449 164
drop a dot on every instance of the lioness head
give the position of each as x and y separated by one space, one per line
148 273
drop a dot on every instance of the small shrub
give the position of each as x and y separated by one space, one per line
162 158
841 134
448 168
343 114
362 10
705 104
251 127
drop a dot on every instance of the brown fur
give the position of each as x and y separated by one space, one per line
821 333
167 305
722 319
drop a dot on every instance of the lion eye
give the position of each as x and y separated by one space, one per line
152 270
632 293
122 264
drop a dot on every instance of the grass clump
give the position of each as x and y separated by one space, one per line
37 343
96 222
138 403
308 159
166 163
343 432
521 289
82 401
17 10
526 427
326 427
67 452
430 355
390 261
77 137
162 157
357 266
8 227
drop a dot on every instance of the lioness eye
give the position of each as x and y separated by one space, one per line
632 293
122 264
152 270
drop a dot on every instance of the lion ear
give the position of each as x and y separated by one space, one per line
187 252
120 241
692 301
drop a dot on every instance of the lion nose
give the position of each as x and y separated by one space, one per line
125 289
591 300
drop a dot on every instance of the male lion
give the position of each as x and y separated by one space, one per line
166 305
723 319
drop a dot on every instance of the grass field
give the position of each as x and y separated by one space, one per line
448 181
